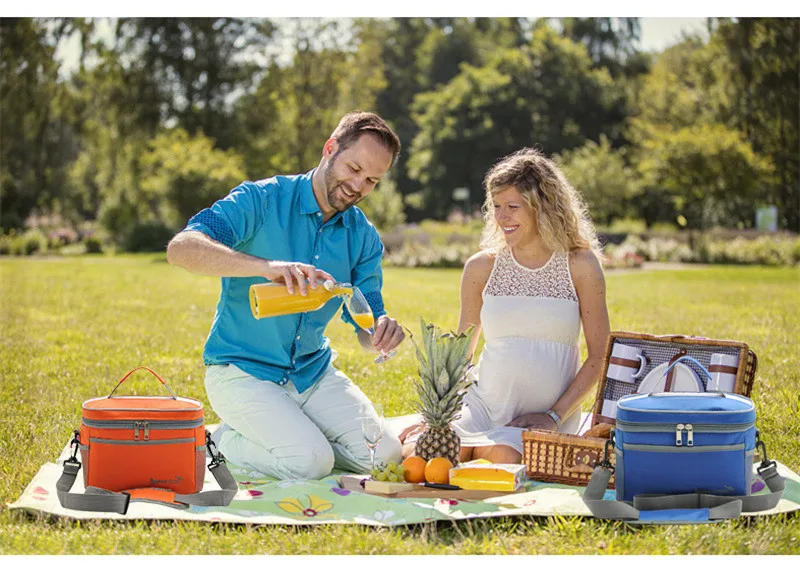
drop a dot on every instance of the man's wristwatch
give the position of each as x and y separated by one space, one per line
556 418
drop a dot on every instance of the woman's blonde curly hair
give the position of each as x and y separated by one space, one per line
561 214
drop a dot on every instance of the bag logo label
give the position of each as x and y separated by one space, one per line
155 482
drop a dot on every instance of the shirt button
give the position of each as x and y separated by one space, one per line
298 338
316 256
319 214
320 231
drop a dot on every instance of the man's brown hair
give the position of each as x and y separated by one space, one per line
357 123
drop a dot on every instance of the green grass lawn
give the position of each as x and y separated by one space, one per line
72 327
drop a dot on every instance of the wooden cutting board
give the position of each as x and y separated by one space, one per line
353 483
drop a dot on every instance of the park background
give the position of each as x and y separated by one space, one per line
688 157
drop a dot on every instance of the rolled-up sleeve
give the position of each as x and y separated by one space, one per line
234 219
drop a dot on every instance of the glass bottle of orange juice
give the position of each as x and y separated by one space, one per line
274 299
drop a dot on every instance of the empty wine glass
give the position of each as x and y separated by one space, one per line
361 312
372 427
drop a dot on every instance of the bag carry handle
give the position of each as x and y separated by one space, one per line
98 499
690 507
681 358
160 379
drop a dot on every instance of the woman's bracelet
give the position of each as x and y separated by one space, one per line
555 417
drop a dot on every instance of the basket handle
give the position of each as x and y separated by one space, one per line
151 372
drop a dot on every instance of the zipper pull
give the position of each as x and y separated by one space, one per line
136 430
689 435
146 430
678 435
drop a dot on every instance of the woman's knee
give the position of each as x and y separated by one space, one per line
498 454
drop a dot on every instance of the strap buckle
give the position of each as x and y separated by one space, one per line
75 443
606 463
216 458
766 463
71 466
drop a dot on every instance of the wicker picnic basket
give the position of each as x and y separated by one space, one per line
570 459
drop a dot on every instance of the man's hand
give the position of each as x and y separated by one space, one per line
388 334
534 422
295 273
411 431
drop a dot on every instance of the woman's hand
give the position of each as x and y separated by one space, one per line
535 421
414 430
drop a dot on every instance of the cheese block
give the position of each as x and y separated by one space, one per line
387 487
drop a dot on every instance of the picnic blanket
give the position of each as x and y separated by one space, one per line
264 500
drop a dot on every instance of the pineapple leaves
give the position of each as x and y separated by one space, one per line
443 369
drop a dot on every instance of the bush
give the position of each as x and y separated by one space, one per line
57 238
427 256
93 245
759 251
148 237
621 257
764 250
28 243
5 245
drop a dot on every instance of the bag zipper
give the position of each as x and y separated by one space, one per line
142 425
678 449
688 428
141 443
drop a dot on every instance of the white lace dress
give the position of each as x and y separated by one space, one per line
531 324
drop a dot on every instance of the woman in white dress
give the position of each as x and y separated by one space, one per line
535 282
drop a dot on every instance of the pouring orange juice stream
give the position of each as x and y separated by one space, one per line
274 299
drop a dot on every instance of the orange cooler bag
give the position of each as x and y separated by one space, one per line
145 448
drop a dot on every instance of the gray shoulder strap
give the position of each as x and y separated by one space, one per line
719 506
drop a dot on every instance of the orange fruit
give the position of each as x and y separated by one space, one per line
437 470
415 469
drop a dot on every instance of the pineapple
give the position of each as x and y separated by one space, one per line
443 368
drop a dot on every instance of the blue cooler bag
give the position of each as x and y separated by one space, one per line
683 457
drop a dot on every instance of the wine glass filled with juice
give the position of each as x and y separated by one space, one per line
361 312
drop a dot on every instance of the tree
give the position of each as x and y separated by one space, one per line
601 175
764 74
196 66
182 175
610 42
545 94
34 150
708 172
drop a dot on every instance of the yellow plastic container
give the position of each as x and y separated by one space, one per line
274 299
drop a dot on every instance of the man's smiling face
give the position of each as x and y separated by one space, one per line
352 173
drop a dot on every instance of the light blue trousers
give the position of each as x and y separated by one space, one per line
275 430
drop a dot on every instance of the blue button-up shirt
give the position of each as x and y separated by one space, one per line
279 219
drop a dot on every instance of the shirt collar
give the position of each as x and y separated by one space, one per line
308 202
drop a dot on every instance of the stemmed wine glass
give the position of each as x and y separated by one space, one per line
359 309
372 427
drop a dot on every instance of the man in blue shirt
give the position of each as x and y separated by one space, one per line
287 411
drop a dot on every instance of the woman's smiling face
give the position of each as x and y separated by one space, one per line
516 219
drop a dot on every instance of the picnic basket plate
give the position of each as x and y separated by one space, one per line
570 459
